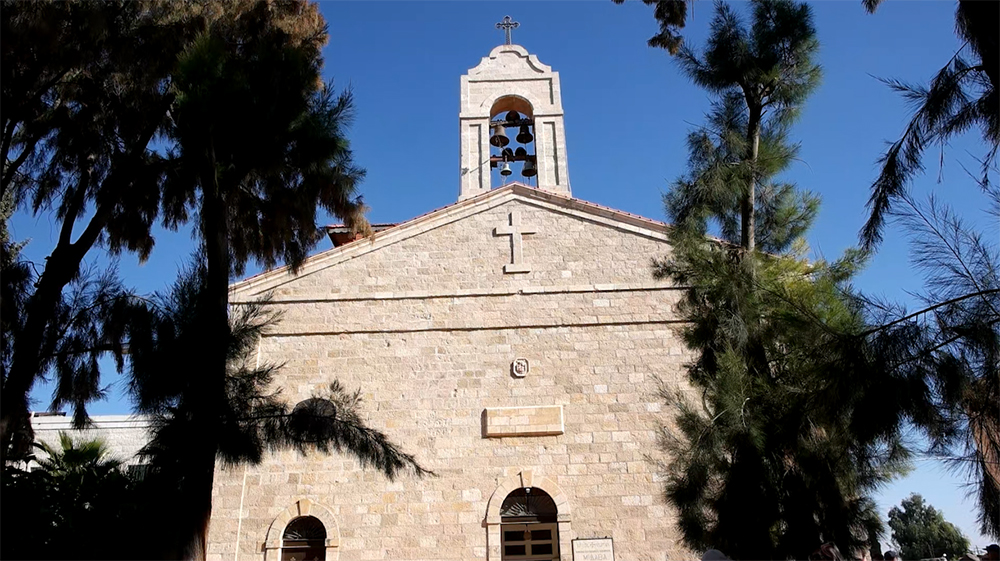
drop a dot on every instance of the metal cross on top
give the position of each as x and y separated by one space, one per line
507 24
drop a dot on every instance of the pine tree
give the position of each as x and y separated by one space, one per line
702 201
671 16
953 342
955 339
86 87
796 420
962 96
767 68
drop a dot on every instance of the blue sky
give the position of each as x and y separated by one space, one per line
627 111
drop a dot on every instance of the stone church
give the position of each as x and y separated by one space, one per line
513 341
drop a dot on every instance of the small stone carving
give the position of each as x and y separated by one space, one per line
519 368
515 230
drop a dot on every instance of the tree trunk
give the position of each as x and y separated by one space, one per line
58 272
216 234
747 208
984 427
60 268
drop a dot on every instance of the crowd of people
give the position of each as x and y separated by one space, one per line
830 552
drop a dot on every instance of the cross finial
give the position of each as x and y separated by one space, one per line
507 24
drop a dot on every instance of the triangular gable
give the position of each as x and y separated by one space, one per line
555 202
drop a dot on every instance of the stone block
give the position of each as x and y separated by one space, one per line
523 421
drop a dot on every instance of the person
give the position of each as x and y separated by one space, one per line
992 553
890 556
714 555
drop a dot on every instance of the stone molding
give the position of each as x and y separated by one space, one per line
97 422
303 507
527 478
487 62
471 328
474 293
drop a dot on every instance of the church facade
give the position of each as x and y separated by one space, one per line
515 342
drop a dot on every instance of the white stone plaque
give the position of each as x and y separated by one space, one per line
519 368
594 549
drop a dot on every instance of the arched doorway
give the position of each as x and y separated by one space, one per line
304 539
528 526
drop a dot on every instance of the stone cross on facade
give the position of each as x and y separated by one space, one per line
515 230
507 24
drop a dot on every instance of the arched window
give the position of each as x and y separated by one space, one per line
528 529
304 540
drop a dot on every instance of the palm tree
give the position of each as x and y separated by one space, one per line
962 96
76 462
76 490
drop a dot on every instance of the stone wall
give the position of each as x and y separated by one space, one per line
124 435
427 326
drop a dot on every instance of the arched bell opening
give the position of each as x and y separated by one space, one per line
507 103
528 526
512 141
304 539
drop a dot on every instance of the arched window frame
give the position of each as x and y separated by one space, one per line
298 546
304 507
527 478
528 527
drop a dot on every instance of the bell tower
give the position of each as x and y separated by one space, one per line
511 122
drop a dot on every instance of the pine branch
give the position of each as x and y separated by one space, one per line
929 309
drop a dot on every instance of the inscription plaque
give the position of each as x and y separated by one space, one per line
519 368
543 420
594 549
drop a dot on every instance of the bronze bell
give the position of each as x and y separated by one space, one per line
529 169
520 153
507 154
505 170
524 136
513 116
499 139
